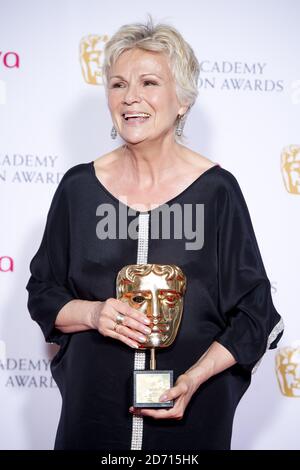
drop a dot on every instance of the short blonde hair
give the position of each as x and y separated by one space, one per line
158 38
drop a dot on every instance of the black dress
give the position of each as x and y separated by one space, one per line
227 299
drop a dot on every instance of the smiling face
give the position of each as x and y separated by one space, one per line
142 96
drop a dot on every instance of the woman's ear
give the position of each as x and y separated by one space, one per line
183 110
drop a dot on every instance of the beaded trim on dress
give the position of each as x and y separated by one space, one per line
140 356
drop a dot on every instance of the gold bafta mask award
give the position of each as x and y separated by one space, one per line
91 58
290 167
288 370
157 290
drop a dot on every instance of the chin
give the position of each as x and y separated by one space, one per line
133 140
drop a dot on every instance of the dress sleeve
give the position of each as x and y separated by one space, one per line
47 286
253 324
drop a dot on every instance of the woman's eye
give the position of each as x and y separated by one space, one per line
117 85
149 82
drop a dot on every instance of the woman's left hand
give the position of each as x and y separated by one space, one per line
182 392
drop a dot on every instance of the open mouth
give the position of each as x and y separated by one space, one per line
136 117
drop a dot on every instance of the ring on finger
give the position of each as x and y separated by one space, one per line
120 319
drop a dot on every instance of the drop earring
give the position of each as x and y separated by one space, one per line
179 126
113 133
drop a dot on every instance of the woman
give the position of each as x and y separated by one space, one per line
229 320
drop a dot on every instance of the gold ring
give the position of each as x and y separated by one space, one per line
120 319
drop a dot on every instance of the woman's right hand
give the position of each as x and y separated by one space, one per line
132 330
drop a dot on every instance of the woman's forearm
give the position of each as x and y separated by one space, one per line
77 315
216 359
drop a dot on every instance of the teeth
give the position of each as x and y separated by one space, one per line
126 116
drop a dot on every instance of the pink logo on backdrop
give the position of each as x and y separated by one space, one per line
6 264
10 60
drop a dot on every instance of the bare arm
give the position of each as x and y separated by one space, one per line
81 315
77 315
216 359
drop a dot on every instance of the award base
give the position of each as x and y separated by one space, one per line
149 385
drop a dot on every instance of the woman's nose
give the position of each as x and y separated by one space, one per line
132 95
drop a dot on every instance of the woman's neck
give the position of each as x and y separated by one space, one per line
146 164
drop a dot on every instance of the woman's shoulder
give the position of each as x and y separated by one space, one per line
105 165
196 162
82 174
224 178
76 175
226 188
104 161
219 176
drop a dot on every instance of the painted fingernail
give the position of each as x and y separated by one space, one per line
164 398
147 330
142 339
147 321
134 345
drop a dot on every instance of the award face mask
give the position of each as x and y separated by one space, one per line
157 290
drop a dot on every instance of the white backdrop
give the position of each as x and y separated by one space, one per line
51 119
